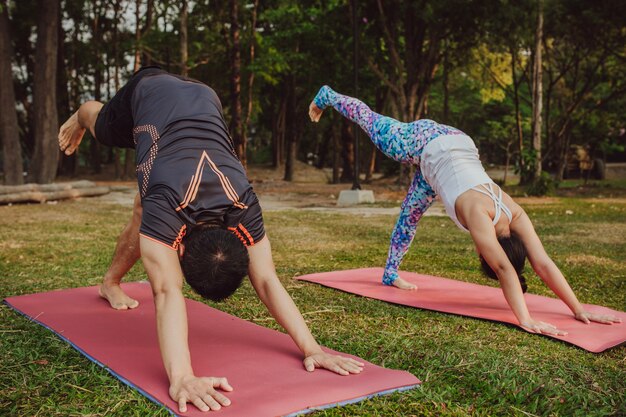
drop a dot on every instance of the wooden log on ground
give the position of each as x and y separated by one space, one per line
43 196
14 189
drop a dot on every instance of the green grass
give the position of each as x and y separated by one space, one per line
468 367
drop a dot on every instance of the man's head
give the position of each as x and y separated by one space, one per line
515 251
214 261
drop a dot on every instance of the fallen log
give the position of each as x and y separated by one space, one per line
43 196
13 189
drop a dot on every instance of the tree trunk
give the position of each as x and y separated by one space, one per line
347 151
116 79
278 132
246 124
446 86
94 148
184 51
9 129
290 131
142 58
537 92
518 115
235 84
46 126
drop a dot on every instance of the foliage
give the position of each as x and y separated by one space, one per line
542 186
483 47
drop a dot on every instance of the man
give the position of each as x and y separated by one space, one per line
195 208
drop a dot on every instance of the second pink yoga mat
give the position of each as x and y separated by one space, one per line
479 301
264 366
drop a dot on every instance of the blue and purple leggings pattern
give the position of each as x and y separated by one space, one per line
403 142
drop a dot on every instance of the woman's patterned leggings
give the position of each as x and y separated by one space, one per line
403 142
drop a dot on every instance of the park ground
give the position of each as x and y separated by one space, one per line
468 367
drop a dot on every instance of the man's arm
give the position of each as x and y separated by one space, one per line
484 236
280 305
163 268
550 274
72 131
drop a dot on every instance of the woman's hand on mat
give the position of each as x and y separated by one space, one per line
201 392
542 327
315 112
335 363
587 317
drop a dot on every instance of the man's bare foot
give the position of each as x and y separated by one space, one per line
404 285
116 297
71 134
315 112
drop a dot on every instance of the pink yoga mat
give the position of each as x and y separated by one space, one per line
263 366
473 300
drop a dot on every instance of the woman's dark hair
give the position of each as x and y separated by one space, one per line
214 261
516 252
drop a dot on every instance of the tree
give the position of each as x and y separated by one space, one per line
537 92
44 163
584 56
236 129
183 34
9 130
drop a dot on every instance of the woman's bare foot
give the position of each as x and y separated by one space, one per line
315 112
116 297
404 285
71 134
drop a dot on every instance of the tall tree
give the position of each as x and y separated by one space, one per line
252 49
44 163
9 131
537 91
410 37
584 54
184 38
236 129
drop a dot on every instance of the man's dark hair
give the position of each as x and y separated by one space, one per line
214 261
516 252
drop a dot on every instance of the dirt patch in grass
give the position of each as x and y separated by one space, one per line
591 260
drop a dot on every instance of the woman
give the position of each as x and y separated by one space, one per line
447 164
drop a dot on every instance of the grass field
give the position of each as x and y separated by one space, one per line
468 367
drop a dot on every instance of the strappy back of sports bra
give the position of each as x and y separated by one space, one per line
497 201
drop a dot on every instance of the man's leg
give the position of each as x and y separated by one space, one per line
72 131
126 255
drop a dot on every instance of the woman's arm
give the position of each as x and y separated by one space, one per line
484 236
550 273
282 308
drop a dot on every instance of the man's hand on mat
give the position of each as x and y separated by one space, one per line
315 112
542 328
201 392
335 363
71 134
587 317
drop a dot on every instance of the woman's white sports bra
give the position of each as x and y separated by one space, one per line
450 164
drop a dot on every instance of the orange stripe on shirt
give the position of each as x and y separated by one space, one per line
184 203
228 188
248 235
236 232
157 241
